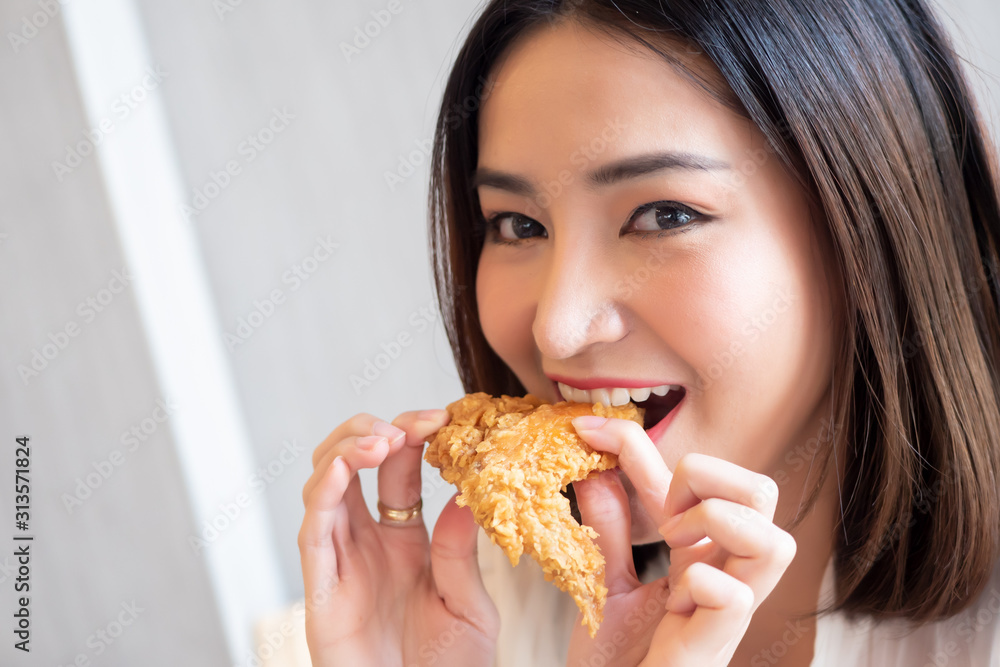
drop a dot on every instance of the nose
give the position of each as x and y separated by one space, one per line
577 308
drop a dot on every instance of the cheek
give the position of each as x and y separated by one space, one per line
506 312
749 318
711 303
774 366
744 309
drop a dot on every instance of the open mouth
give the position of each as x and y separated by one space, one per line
658 407
657 402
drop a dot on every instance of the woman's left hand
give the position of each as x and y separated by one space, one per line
698 614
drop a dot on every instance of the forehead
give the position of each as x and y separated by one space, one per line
561 87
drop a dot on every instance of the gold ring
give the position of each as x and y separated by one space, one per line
390 515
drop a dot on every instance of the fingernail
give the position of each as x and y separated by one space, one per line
370 442
388 431
589 423
431 415
333 465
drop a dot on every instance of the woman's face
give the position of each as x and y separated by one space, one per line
649 237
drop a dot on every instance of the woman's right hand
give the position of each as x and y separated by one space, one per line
381 593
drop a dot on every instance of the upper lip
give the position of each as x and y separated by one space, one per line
606 382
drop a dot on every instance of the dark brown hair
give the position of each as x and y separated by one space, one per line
865 103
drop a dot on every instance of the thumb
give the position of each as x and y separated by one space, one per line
455 567
604 507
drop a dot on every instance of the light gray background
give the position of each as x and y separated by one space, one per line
323 176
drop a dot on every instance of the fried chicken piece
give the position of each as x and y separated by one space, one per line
511 457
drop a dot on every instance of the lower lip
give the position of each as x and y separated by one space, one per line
661 426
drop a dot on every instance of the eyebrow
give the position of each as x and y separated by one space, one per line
608 174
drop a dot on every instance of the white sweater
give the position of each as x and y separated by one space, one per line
537 620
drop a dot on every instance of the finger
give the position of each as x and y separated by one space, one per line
604 507
359 451
721 606
760 551
399 475
699 476
360 424
455 568
325 530
366 452
637 457
342 441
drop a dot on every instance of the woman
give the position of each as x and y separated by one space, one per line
784 210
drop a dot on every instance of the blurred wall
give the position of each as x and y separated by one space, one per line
312 260
321 177
76 375
974 25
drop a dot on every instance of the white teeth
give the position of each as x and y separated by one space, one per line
639 394
614 395
619 396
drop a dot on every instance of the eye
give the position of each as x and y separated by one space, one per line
663 216
514 227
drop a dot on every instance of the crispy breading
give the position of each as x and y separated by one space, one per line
511 457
